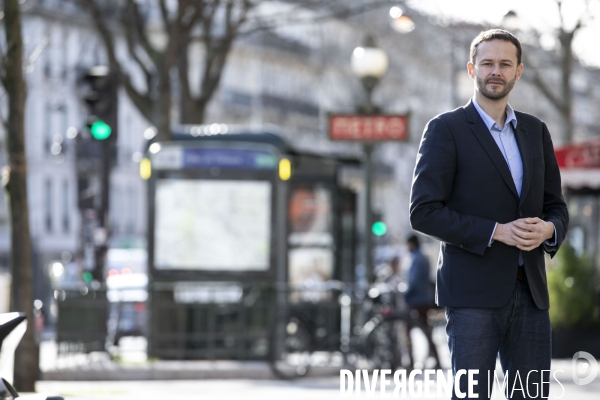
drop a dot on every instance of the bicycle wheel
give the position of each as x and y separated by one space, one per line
380 346
290 347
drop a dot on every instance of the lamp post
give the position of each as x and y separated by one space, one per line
510 21
369 63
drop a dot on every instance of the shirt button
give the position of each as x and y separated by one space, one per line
510 158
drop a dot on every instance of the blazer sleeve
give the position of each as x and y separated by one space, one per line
555 209
431 189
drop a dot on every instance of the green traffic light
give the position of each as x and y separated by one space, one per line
379 228
87 277
100 130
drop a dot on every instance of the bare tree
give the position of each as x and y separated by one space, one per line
561 97
158 60
11 74
217 36
214 24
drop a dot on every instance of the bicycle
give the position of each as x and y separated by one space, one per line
12 328
296 336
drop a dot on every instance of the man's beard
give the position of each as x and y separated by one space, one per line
508 86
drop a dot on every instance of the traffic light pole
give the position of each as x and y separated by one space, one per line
103 212
102 101
108 146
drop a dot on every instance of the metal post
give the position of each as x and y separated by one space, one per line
103 211
369 273
108 149
369 108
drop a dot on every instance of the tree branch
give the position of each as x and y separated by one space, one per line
36 53
3 122
138 26
143 102
541 84
217 50
189 19
176 34
131 48
105 34
165 15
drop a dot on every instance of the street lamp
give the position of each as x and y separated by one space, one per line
369 63
510 21
401 23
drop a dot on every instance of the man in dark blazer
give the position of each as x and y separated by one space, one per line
487 185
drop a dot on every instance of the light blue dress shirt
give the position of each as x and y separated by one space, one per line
507 143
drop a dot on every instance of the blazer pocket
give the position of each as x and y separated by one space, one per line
449 248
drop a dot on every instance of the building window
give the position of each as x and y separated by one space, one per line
115 211
133 207
47 62
4 211
64 125
65 207
125 146
47 128
48 206
65 55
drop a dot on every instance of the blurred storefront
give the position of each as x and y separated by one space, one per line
580 172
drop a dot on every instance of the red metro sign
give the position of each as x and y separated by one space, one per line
367 128
581 155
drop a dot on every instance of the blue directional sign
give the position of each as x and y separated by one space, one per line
228 158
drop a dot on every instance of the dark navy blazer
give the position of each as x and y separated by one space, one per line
462 186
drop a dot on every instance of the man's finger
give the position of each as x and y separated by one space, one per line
523 225
523 233
528 240
522 241
534 220
537 228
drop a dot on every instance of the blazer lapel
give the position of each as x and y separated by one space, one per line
484 136
526 157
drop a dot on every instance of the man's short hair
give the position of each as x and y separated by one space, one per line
495 34
414 239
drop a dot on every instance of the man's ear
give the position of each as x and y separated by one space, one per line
471 69
519 71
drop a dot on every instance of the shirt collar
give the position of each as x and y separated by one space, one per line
490 123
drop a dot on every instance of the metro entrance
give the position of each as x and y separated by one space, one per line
236 219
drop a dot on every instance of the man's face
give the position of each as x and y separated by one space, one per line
495 70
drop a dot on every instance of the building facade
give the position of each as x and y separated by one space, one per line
292 77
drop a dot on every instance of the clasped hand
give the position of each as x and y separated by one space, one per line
526 233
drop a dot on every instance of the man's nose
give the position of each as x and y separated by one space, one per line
496 69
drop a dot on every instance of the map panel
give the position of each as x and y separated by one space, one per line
213 225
